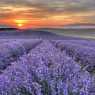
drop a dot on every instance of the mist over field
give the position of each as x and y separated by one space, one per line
73 30
81 33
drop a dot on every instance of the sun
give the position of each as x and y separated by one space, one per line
20 22
20 25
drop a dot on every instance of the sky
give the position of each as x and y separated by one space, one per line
46 13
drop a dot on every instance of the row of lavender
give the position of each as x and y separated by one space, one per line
12 50
82 52
46 71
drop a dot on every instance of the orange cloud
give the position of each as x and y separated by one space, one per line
35 14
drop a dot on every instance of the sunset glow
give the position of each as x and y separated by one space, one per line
43 13
20 25
20 22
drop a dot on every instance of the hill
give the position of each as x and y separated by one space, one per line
27 33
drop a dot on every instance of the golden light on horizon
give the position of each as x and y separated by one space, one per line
20 22
20 25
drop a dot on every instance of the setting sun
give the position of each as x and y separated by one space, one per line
20 25
20 22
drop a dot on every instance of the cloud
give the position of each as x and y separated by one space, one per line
46 8
55 5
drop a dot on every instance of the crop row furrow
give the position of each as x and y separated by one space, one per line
11 52
85 56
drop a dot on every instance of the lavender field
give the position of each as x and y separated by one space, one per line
47 47
47 67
